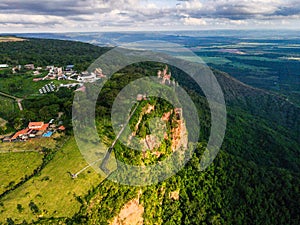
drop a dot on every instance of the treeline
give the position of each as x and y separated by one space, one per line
43 52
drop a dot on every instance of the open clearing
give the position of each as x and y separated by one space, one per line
54 192
11 39
31 145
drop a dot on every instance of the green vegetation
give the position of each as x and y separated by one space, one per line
16 166
8 107
52 191
22 85
255 178
50 52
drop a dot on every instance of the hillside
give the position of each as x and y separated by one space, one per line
255 178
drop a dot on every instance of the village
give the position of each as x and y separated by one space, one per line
58 73
46 130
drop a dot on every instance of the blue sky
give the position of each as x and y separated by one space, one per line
128 15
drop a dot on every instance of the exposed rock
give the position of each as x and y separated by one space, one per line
175 195
130 214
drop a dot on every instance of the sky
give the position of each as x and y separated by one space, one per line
18 16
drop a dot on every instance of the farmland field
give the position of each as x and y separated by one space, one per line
54 192
15 166
11 39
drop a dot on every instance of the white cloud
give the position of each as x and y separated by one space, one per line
194 21
145 14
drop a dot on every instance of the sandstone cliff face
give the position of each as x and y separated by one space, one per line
130 214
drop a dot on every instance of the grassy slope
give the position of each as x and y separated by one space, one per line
31 145
15 166
7 106
54 192
26 85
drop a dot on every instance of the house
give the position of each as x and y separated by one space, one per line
87 77
20 134
39 126
3 66
29 66
35 125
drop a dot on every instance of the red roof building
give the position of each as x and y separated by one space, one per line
35 125
20 133
41 126
62 128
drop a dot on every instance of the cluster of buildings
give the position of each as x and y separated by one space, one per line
164 76
35 130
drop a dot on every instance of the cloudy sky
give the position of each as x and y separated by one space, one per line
126 15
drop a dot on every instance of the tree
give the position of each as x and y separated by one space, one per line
20 208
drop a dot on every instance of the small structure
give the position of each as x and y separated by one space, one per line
29 66
69 68
99 73
87 77
164 75
50 68
141 97
16 68
3 66
62 128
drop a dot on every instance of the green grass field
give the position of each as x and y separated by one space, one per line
22 85
31 145
54 192
15 166
7 106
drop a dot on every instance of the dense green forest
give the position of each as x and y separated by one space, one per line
43 52
255 178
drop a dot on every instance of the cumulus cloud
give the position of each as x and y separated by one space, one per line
145 13
194 21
